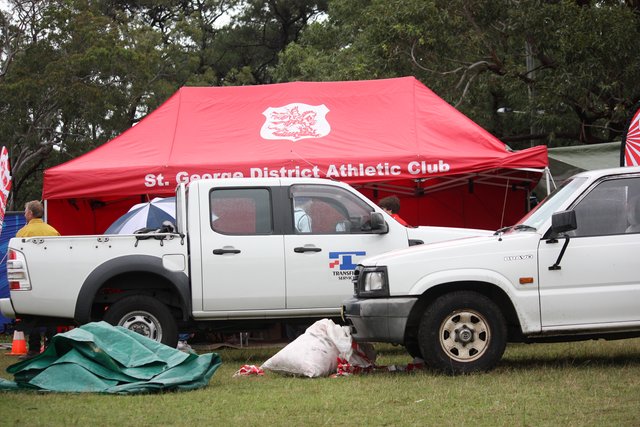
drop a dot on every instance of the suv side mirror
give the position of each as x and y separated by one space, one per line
563 221
378 224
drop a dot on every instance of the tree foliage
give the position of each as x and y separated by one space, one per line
76 73
566 70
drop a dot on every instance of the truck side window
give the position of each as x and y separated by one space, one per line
609 208
320 209
241 211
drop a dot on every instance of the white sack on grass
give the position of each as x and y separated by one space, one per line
314 353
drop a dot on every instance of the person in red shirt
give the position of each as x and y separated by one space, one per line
391 205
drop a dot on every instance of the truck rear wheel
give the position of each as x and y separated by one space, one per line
462 332
146 316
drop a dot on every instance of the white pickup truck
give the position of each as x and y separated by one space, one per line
568 270
235 261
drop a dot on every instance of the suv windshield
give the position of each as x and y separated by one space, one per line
542 212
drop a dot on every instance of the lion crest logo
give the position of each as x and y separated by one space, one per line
295 122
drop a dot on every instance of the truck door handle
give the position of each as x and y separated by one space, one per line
301 249
225 251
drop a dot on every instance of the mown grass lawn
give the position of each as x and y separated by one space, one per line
593 383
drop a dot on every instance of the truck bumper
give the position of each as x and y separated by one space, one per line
378 320
7 308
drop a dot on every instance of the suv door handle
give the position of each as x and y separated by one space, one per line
301 249
225 251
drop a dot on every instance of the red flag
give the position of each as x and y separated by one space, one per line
630 148
5 182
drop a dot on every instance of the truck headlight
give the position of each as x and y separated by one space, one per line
373 282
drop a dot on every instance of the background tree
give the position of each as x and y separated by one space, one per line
566 70
258 33
76 73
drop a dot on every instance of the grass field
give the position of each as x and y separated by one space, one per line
594 383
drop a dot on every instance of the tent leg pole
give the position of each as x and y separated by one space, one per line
547 173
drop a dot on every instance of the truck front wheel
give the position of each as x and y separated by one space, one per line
462 332
146 316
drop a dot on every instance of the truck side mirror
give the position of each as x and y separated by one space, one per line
378 224
563 221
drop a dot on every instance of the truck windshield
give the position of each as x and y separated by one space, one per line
543 211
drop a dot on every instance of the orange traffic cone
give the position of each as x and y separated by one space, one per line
19 345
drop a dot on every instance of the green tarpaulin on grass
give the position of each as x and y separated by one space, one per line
98 357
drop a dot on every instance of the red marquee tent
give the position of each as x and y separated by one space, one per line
390 136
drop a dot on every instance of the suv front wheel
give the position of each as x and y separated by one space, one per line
462 332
